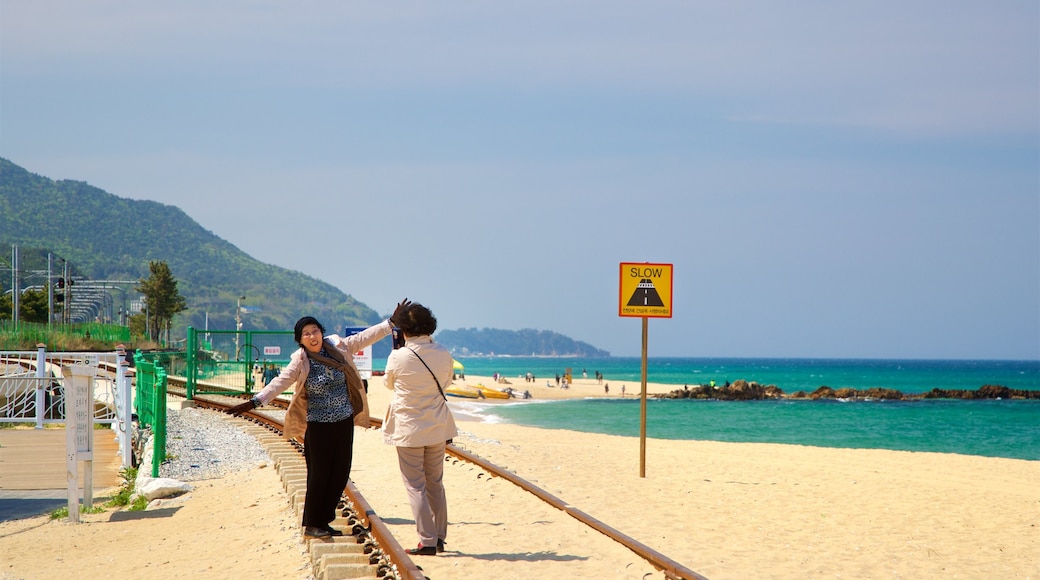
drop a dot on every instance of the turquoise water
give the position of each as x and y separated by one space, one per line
908 376
993 428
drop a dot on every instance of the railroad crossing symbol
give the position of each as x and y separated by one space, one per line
645 294
646 290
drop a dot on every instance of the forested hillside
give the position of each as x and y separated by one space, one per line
105 237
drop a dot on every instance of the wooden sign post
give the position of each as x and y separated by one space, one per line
79 434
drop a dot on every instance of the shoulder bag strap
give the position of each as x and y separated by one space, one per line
431 372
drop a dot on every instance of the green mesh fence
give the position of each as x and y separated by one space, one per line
219 361
150 404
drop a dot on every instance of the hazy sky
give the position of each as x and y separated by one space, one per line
829 179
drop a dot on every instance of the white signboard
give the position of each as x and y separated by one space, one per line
363 362
272 350
79 433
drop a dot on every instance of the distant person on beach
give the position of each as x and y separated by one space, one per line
606 388
258 375
270 372
329 400
622 390
419 423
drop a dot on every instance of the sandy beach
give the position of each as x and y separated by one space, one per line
725 510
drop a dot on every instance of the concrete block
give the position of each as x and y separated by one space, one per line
343 571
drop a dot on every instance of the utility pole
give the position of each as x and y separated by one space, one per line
50 291
66 309
15 293
238 323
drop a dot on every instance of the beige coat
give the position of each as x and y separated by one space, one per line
294 376
418 415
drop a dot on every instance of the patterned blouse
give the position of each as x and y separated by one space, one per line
327 397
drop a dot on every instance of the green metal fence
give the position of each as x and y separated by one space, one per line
150 404
56 337
237 360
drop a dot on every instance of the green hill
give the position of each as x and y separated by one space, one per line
105 237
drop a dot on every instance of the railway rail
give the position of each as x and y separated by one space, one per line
386 553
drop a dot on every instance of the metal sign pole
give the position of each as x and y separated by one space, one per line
642 406
645 291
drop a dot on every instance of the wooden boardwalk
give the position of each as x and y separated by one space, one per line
35 459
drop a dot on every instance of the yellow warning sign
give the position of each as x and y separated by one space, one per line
646 290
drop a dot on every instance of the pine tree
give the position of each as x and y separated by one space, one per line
161 298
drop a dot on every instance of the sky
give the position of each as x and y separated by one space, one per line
827 179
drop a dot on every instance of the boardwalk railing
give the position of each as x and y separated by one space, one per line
32 390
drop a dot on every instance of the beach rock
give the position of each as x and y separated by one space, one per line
994 392
742 390
823 392
845 393
984 392
159 487
881 393
699 392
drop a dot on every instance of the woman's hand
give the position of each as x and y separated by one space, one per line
239 409
402 306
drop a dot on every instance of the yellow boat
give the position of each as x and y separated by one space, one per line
490 393
464 391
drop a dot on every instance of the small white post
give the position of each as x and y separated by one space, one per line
124 392
41 386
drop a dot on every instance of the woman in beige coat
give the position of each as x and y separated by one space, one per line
418 423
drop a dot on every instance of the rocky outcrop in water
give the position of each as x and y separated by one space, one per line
737 391
743 390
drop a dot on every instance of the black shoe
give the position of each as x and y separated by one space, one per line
333 531
423 551
440 546
313 532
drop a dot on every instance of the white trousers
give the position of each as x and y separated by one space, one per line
422 469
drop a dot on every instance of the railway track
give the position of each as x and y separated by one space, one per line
386 557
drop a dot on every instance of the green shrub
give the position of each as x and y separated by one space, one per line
126 489
139 504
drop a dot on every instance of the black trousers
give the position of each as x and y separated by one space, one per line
328 449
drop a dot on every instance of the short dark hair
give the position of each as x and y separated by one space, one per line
298 329
417 320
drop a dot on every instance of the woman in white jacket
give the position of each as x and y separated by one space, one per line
418 422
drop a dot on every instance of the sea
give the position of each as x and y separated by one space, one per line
991 428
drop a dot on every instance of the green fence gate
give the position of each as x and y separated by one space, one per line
241 361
